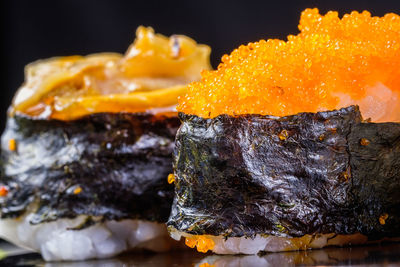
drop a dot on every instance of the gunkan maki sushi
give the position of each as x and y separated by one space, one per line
294 144
87 149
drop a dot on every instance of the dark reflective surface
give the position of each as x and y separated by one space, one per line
376 255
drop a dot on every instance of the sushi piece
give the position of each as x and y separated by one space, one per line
291 145
87 149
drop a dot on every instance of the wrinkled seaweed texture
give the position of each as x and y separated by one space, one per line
107 166
286 176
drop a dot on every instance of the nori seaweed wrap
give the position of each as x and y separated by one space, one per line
87 149
273 153
304 176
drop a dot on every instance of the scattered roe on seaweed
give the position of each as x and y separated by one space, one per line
3 191
330 64
171 178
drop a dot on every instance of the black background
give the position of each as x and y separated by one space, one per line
33 30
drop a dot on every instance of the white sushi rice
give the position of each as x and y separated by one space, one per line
244 245
55 241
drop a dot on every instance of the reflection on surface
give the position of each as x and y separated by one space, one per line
365 255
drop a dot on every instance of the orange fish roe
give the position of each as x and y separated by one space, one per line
383 218
77 190
3 191
203 243
12 144
171 178
330 64
283 135
364 142
190 242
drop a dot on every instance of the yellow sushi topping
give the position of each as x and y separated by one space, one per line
333 62
151 75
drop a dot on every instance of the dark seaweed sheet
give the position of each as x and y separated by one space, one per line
120 161
287 176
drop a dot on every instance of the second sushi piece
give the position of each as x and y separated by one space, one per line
87 149
274 154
